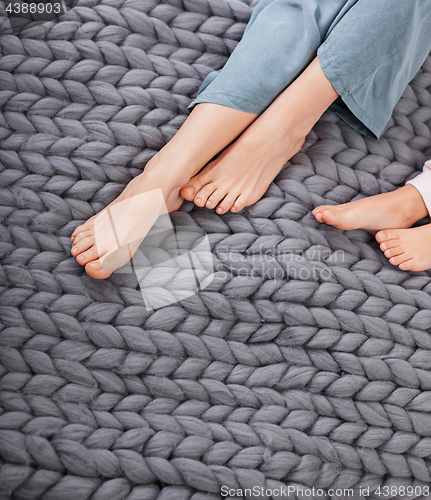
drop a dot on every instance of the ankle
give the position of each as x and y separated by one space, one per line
412 203
166 171
302 103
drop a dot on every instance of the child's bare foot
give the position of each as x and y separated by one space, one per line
242 173
397 209
108 240
409 249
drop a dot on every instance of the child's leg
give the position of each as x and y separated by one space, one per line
410 248
422 183
391 214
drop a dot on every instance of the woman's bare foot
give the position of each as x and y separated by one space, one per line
108 240
243 172
409 249
397 209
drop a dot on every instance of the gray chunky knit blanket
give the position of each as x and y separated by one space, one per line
304 363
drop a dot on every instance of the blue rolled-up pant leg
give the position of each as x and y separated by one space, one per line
371 55
280 40
368 49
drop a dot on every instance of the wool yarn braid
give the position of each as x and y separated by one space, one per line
306 361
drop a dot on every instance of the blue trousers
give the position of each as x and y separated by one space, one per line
368 49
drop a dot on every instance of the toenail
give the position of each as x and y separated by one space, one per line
198 200
209 203
383 246
219 210
189 190
81 258
96 266
75 250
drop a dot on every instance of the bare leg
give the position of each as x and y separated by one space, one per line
208 129
243 172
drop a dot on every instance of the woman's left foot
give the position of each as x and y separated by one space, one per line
242 173
409 249
109 239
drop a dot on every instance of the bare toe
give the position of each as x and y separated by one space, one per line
79 231
90 255
215 198
389 244
88 224
202 195
407 248
399 259
317 211
239 204
333 218
393 252
82 245
407 265
195 184
226 203
188 192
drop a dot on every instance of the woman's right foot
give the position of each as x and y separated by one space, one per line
240 176
398 209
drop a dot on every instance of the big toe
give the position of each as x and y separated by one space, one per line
95 270
188 192
385 235
331 217
195 184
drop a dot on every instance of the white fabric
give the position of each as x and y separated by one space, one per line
423 184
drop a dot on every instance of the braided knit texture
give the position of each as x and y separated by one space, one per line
306 361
